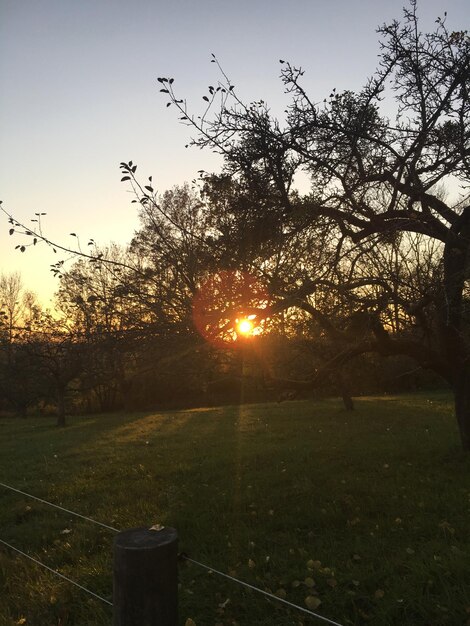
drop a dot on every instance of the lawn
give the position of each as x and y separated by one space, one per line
364 515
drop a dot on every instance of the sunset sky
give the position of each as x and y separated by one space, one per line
79 94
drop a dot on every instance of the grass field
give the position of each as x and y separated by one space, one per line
367 514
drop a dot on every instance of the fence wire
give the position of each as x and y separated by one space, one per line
265 593
69 580
184 556
61 508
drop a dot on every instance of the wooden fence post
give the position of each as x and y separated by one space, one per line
145 581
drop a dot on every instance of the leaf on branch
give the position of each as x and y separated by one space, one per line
164 91
160 80
73 234
124 178
149 188
168 104
22 248
205 98
171 81
11 231
35 241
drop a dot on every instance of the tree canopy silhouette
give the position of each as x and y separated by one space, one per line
377 161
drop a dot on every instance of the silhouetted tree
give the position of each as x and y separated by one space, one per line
21 381
374 176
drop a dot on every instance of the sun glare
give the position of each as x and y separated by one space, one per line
230 306
245 327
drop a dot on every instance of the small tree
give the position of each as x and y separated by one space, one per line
53 354
21 381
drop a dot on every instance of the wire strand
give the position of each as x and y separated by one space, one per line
211 569
265 593
69 580
61 508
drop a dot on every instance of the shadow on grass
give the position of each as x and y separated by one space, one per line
377 497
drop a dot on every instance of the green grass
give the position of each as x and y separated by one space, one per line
372 505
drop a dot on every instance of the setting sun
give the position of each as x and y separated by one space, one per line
245 327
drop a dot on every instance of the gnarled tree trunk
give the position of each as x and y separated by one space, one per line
61 407
462 405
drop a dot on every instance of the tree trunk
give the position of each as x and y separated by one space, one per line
462 406
61 408
344 391
347 401
455 325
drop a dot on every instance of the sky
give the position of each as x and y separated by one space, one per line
79 94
